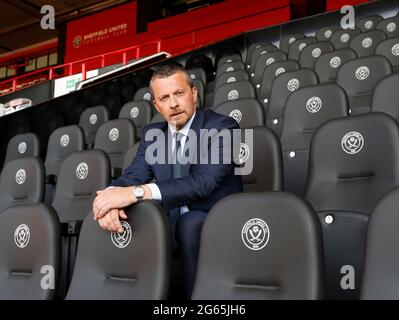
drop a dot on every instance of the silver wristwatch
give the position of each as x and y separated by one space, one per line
138 192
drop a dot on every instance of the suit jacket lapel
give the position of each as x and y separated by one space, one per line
164 171
196 126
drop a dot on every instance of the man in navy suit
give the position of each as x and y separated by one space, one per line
186 186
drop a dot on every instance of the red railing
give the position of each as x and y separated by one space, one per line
80 66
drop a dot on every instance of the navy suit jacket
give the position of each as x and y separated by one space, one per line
202 185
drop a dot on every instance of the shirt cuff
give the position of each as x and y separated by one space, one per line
155 192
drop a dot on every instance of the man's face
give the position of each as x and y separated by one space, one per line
174 99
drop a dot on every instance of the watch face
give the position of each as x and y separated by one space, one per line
139 192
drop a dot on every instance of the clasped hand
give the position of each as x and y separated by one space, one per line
108 207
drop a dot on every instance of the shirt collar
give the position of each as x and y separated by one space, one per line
186 127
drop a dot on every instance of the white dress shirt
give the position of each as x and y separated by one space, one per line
156 193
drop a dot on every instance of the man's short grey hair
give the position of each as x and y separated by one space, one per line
169 70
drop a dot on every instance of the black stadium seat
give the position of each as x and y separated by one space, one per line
325 33
328 64
259 52
115 137
297 46
390 26
197 73
277 250
365 43
90 120
229 67
133 265
62 142
233 91
270 73
251 48
305 111
82 174
282 87
287 40
260 160
248 112
368 23
140 112
380 280
229 77
359 77
390 50
29 252
22 146
228 59
386 96
312 52
21 182
353 162
263 62
143 94
201 61
342 37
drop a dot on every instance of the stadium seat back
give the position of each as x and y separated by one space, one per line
312 52
248 112
277 249
143 93
233 91
287 40
382 261
22 146
263 62
359 77
115 137
325 33
90 120
29 250
305 111
81 175
297 46
369 23
21 182
140 112
342 37
365 43
229 77
62 142
390 26
386 96
390 50
260 160
350 168
282 87
133 265
327 65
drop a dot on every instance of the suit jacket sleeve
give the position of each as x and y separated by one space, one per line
203 178
139 172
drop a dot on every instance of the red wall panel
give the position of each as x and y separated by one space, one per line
106 31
